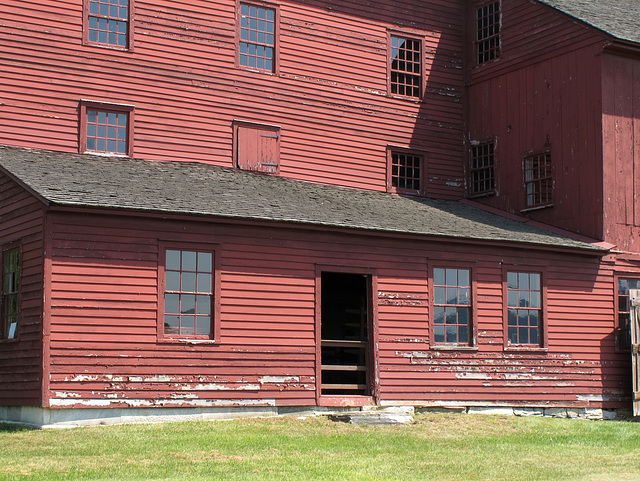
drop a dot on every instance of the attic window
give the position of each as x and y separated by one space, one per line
406 172
488 19
108 23
106 128
538 180
482 169
405 66
257 45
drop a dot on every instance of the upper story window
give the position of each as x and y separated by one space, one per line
623 323
106 128
488 20
524 308
11 269
538 181
257 43
257 147
451 306
108 22
405 66
482 169
405 172
188 294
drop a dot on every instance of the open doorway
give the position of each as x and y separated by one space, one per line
345 331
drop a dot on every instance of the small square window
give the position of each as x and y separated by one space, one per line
524 308
11 270
482 169
107 22
406 172
538 180
188 294
257 41
106 129
405 66
452 306
488 20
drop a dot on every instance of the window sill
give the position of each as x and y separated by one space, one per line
416 100
186 340
452 347
480 195
531 349
108 47
536 207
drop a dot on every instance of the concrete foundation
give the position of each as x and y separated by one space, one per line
68 418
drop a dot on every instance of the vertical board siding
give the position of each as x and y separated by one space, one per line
621 137
329 96
105 351
544 93
21 360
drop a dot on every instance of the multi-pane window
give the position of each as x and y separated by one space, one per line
405 66
538 181
623 328
257 37
524 308
406 172
451 306
482 171
488 32
107 131
188 296
10 293
108 22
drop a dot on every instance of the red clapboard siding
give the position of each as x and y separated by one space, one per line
21 360
544 93
336 123
104 347
620 132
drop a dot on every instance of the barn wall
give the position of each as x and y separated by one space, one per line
329 96
21 359
544 93
621 138
105 351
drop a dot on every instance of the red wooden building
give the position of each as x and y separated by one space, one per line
236 207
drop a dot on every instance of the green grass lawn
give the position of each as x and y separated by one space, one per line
437 446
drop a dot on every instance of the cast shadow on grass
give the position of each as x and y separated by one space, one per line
14 428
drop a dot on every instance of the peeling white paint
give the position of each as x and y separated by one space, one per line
278 379
473 375
158 379
80 402
81 378
64 395
53 402
221 387
592 398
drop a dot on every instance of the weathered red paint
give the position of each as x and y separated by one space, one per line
89 332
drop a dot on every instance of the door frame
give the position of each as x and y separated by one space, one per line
373 356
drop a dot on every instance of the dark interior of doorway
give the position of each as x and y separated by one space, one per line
345 334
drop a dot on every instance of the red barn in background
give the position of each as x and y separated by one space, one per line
231 208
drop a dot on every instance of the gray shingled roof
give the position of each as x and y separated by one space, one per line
193 188
619 18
